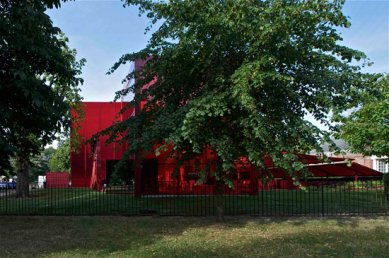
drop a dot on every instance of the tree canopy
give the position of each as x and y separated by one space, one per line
40 163
48 160
60 160
239 77
39 80
366 129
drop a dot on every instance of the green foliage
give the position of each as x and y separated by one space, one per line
60 160
40 163
39 80
239 77
366 129
364 185
122 173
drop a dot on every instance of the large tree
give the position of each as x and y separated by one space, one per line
38 82
239 77
366 128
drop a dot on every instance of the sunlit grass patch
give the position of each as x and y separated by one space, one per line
194 237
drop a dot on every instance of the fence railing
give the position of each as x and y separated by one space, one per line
316 198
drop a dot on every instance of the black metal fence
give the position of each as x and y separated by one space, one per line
315 198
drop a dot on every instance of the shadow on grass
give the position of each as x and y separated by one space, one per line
193 237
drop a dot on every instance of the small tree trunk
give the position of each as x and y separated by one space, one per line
219 190
219 200
23 167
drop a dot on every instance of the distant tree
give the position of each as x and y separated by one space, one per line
60 160
239 77
40 163
38 82
367 128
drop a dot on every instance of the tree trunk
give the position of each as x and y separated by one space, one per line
219 200
23 167
219 190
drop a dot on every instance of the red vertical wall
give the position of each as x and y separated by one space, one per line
57 179
97 116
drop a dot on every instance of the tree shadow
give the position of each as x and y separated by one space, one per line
187 236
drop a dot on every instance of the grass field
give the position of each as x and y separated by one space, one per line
193 237
82 201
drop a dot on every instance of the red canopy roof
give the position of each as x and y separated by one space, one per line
339 168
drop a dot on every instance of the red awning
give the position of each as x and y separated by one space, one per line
339 168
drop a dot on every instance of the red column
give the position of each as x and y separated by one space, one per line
254 182
137 160
181 184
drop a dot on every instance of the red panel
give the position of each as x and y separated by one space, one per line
364 171
57 179
97 117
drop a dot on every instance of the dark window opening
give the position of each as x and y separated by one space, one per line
150 176
123 175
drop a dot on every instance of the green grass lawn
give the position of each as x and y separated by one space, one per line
82 201
193 237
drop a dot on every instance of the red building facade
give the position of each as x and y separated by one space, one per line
90 168
153 175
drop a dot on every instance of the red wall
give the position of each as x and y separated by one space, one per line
97 116
57 179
